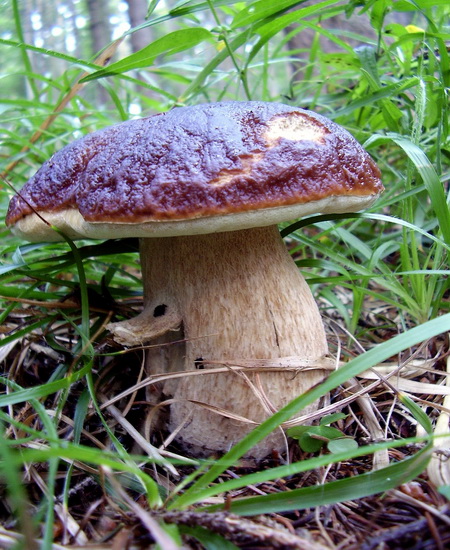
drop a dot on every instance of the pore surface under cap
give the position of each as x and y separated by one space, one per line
203 161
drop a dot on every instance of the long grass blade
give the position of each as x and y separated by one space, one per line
336 491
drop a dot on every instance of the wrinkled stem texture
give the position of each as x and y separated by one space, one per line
226 297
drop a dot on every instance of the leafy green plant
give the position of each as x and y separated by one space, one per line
313 438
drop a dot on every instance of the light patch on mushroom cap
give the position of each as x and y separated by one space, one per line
295 127
227 176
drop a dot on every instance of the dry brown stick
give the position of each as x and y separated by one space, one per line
55 304
241 530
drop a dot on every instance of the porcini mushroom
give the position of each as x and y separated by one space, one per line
204 188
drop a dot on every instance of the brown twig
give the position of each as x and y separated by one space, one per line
242 530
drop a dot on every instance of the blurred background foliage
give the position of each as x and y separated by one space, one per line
380 68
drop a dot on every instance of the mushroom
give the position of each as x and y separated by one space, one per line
226 307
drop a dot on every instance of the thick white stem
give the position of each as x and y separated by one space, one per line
239 296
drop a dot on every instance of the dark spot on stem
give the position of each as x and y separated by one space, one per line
160 310
199 363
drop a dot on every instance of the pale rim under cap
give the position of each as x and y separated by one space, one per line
195 170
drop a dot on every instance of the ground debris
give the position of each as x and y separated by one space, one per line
239 530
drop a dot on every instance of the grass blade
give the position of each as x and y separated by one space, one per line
169 44
429 176
352 488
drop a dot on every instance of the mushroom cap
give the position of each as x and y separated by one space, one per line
201 169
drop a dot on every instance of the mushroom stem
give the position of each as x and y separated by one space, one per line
239 295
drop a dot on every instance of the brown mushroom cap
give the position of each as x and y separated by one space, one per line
201 169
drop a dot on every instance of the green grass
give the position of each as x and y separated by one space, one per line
382 276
